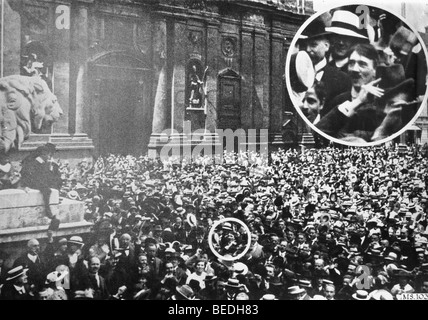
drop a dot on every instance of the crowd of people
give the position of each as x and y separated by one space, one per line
355 82
324 224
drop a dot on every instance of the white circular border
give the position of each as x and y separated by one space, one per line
304 118
210 242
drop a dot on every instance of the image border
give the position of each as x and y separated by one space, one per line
300 112
210 242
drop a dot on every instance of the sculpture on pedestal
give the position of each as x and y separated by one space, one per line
197 86
25 103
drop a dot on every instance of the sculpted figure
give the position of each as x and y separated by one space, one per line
26 103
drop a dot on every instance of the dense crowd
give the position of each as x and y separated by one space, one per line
324 224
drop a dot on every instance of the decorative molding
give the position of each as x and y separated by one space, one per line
228 46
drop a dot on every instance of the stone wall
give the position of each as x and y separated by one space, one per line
22 216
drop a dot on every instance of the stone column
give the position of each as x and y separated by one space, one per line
276 118
213 45
247 71
12 41
79 113
160 104
261 79
178 90
61 72
163 53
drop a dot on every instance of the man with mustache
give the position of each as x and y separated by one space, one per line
363 61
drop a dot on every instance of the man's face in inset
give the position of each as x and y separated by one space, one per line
341 46
361 70
316 48
311 105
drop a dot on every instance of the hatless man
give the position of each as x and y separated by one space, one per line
330 292
97 282
362 65
32 260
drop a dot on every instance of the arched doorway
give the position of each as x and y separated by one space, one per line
121 113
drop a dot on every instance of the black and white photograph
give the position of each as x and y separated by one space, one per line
358 74
213 150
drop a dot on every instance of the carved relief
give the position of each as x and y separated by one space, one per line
195 38
228 47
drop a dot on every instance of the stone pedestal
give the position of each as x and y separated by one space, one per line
72 148
22 216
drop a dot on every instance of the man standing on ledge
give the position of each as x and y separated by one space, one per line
41 173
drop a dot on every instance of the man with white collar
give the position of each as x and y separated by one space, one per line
314 40
16 286
33 262
41 173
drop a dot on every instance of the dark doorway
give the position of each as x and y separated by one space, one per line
117 121
121 114
229 107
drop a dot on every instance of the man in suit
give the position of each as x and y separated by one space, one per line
315 41
33 261
97 282
155 264
17 286
362 69
129 255
41 173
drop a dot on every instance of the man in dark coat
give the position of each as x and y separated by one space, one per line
16 286
314 40
365 112
41 173
34 263
97 282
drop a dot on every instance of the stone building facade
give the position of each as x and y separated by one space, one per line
122 69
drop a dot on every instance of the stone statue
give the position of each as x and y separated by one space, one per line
26 103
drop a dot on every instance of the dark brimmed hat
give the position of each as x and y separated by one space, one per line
315 29
393 81
210 277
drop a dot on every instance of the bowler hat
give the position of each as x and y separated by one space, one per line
314 30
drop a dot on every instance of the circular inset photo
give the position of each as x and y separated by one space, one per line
357 75
229 239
